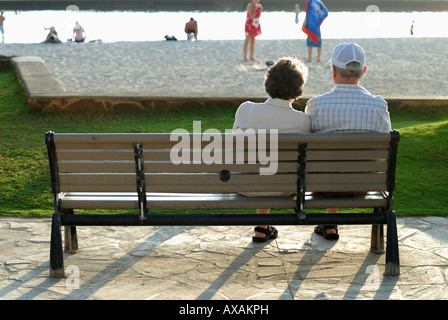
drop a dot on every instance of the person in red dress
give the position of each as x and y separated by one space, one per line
252 27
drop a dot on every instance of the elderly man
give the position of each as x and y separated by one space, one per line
348 107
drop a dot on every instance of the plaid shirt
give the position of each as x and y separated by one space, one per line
347 109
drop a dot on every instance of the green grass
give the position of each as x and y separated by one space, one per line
24 175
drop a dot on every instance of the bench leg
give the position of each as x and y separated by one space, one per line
71 238
56 254
377 237
392 253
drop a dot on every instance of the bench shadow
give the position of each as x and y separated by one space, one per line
364 276
100 279
29 276
247 254
110 272
240 261
310 259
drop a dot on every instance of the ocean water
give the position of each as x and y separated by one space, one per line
111 26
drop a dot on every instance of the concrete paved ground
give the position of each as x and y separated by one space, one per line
222 263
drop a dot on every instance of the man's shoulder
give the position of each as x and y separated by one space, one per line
379 99
321 97
356 93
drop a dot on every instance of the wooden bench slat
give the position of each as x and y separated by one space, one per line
346 182
164 154
346 166
173 178
157 141
174 201
353 187
129 167
314 181
160 167
154 138
199 188
360 144
190 201
228 188
178 182
95 155
352 154
149 155
368 200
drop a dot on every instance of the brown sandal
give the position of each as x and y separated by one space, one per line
322 230
270 232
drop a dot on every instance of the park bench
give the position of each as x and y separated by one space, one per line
145 172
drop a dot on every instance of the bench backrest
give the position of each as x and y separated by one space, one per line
187 163
210 163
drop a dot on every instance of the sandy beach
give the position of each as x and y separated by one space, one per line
395 67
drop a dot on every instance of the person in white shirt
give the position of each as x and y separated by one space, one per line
348 107
283 83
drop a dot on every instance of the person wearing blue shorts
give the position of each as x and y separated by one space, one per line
311 44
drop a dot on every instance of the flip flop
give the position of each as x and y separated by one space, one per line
270 232
322 230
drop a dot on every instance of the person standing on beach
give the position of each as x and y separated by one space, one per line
296 11
316 12
2 19
191 27
78 33
348 107
283 83
252 27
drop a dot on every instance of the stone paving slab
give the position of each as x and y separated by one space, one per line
222 263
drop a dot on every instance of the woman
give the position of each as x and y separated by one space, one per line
78 33
283 83
252 27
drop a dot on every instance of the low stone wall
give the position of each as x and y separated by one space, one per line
5 62
74 104
45 94
96 104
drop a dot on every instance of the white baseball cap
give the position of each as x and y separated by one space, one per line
345 53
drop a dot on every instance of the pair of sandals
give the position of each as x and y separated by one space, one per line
272 233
